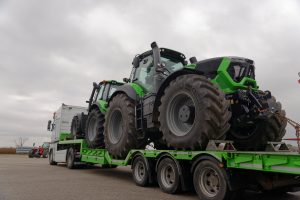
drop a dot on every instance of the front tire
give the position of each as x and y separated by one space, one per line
94 129
256 136
51 159
120 133
71 158
78 126
193 111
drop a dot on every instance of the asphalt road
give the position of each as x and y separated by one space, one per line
22 178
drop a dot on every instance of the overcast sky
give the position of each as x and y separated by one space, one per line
52 51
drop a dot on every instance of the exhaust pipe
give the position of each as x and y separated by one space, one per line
159 67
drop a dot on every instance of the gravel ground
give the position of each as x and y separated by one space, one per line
22 178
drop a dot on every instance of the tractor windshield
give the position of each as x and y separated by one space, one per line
171 64
238 71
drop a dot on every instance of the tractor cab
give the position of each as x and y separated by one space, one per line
102 92
145 67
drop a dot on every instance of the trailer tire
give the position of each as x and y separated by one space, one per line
120 134
140 171
168 177
51 160
94 129
193 111
210 181
70 158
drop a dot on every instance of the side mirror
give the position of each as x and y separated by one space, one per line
87 101
126 80
95 84
33 144
49 125
136 62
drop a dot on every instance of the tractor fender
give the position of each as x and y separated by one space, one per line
94 106
126 89
165 84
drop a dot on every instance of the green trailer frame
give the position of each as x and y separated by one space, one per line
277 168
277 162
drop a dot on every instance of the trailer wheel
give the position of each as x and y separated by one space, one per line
140 171
168 176
210 181
71 158
51 160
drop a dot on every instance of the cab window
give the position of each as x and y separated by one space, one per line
144 73
100 93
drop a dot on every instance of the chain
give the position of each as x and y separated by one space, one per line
295 125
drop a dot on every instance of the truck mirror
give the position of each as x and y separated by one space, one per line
136 62
126 80
49 125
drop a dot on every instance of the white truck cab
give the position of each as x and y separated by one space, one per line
60 128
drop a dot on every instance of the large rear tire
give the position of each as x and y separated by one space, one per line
94 129
193 111
256 136
120 134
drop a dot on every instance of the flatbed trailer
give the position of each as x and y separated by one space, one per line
219 172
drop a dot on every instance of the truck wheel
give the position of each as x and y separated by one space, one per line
71 158
120 134
78 126
140 171
193 111
168 176
94 129
51 160
256 136
210 181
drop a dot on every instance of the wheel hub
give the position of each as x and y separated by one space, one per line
168 176
181 114
140 171
209 182
187 114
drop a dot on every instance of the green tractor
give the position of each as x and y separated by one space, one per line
90 126
182 106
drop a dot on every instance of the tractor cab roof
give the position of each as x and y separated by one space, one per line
113 82
169 53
